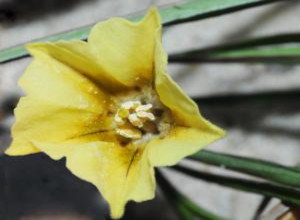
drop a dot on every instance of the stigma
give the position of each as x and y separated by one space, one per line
132 118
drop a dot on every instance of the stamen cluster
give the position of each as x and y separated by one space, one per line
131 118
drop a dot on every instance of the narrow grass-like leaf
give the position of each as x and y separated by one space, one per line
260 52
277 39
179 13
267 170
184 213
284 55
251 50
186 208
194 9
255 98
287 195
17 52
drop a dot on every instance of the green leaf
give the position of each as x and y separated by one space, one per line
194 9
277 39
184 212
284 55
286 175
267 55
250 98
18 52
199 211
179 13
186 208
252 50
287 195
258 52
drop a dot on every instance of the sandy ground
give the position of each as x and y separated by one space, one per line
265 130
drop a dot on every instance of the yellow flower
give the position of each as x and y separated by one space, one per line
109 106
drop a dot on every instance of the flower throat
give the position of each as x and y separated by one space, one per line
140 118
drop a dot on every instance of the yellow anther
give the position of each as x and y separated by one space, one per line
128 132
146 115
144 107
131 105
135 120
119 120
131 117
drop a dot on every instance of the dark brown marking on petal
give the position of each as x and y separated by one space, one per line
87 134
131 161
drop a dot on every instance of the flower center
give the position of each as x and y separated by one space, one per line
132 118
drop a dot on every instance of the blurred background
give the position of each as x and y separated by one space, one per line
35 187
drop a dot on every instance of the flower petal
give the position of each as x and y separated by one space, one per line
118 172
77 55
193 132
118 55
181 142
184 110
60 104
125 49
